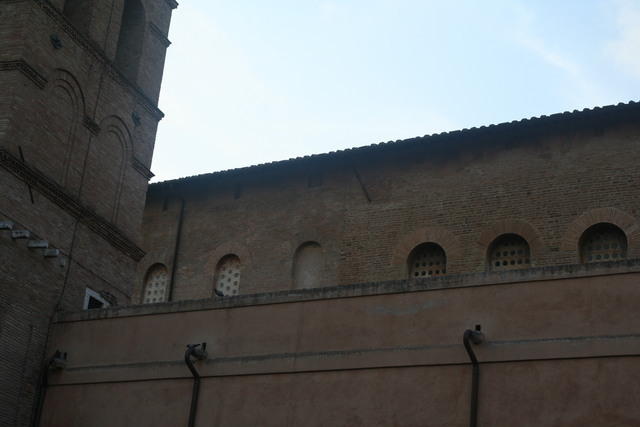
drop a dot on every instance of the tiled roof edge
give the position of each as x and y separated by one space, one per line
575 114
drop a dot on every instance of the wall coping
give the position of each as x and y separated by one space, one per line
466 280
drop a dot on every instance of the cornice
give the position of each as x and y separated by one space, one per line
57 195
97 53
529 129
26 69
153 29
369 289
172 3
142 169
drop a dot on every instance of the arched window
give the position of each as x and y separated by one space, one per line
130 39
227 277
78 12
603 242
426 260
509 252
308 266
156 284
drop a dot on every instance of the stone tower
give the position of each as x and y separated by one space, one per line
79 86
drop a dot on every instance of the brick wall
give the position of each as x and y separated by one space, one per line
76 142
30 286
547 185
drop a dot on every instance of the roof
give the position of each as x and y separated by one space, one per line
622 112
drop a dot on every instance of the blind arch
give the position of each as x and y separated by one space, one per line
130 39
308 266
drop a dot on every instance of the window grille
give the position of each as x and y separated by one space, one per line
156 285
509 252
227 281
603 242
426 260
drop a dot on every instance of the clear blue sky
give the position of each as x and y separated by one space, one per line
253 81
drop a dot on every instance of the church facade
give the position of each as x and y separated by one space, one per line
487 276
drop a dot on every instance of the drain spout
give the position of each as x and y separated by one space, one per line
473 337
198 352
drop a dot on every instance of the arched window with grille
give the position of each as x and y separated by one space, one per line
156 285
509 252
603 242
308 266
427 260
227 277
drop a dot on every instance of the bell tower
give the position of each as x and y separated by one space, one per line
80 82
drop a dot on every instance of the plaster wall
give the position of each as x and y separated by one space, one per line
561 342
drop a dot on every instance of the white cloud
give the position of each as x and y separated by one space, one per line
626 49
586 90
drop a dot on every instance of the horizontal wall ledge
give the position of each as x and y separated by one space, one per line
359 358
363 289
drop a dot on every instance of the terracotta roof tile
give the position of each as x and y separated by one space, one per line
590 113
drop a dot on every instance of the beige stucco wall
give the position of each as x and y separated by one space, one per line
562 346
600 392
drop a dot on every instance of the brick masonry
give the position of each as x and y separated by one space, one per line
76 141
546 180
77 134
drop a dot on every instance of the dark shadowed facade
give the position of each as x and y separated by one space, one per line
79 86
330 290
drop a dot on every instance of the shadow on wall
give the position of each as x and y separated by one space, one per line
130 39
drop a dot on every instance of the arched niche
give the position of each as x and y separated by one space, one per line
308 266
130 39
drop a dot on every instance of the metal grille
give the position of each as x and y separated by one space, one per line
156 285
603 242
228 276
509 252
427 260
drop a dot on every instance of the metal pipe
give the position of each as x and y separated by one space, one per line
475 337
55 362
194 351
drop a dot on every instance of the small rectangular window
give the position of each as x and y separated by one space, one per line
93 299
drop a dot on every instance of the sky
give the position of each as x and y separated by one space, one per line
255 81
